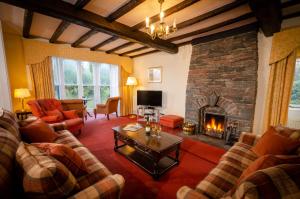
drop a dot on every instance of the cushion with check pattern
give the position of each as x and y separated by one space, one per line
44 176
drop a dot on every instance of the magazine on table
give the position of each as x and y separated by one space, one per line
132 127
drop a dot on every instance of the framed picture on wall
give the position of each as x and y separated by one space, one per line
154 75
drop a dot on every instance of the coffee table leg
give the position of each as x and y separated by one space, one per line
116 141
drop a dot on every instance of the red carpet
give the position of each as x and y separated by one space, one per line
196 160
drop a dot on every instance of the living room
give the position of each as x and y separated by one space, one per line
149 99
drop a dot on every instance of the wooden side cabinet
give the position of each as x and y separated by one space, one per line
22 115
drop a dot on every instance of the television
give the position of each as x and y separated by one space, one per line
149 98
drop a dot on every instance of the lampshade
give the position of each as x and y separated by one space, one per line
131 81
21 93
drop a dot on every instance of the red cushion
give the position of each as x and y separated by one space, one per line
35 108
56 113
38 131
71 114
171 121
50 104
65 155
74 124
50 118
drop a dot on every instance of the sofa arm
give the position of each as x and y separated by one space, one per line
109 187
187 193
59 126
249 138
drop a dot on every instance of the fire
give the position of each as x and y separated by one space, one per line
213 125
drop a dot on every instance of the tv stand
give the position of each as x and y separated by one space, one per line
151 111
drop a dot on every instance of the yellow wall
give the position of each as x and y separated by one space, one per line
20 52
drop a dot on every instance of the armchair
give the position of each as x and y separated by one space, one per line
110 106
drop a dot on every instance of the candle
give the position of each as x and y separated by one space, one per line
167 30
174 23
152 29
147 22
161 16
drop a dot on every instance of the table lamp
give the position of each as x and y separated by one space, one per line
22 93
131 81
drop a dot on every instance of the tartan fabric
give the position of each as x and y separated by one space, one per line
248 138
96 170
9 122
58 126
8 147
282 181
188 193
109 187
67 138
44 176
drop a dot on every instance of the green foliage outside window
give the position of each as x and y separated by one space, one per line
71 92
104 93
295 99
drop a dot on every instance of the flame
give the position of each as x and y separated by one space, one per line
213 125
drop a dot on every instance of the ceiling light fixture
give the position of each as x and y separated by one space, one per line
161 30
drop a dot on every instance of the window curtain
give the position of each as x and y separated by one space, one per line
282 62
42 79
125 94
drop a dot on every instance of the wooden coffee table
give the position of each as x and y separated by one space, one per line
154 155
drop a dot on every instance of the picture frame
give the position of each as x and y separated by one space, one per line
154 74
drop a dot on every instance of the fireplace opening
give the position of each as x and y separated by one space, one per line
214 125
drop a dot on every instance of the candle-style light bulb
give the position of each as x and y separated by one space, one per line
167 29
174 24
147 22
161 16
152 29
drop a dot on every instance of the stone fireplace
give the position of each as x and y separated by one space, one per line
221 88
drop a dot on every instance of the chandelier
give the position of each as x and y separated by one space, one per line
161 30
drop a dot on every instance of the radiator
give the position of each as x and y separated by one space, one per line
294 124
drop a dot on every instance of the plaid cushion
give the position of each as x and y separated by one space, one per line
9 122
67 138
282 181
8 148
109 187
44 176
96 170
249 138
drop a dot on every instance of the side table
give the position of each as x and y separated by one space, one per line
22 115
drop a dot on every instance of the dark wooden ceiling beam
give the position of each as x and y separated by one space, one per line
83 38
146 53
64 24
67 12
268 14
210 14
167 12
290 3
133 51
28 15
227 33
124 9
213 27
103 43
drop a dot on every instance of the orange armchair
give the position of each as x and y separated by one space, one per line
110 106
42 107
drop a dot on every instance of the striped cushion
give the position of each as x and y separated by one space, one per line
8 148
225 175
44 177
282 181
67 138
9 122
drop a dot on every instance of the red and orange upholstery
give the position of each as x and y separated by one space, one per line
52 111
172 121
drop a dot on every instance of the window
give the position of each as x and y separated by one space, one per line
81 79
295 98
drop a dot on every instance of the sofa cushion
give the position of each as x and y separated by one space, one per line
44 176
38 131
35 108
96 170
57 114
65 155
274 143
71 114
8 147
9 122
50 104
67 138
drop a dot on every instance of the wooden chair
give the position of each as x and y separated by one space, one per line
110 106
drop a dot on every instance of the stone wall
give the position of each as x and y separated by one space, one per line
227 66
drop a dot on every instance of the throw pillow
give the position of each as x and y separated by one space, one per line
274 143
38 131
57 113
267 161
43 174
71 114
50 118
65 155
